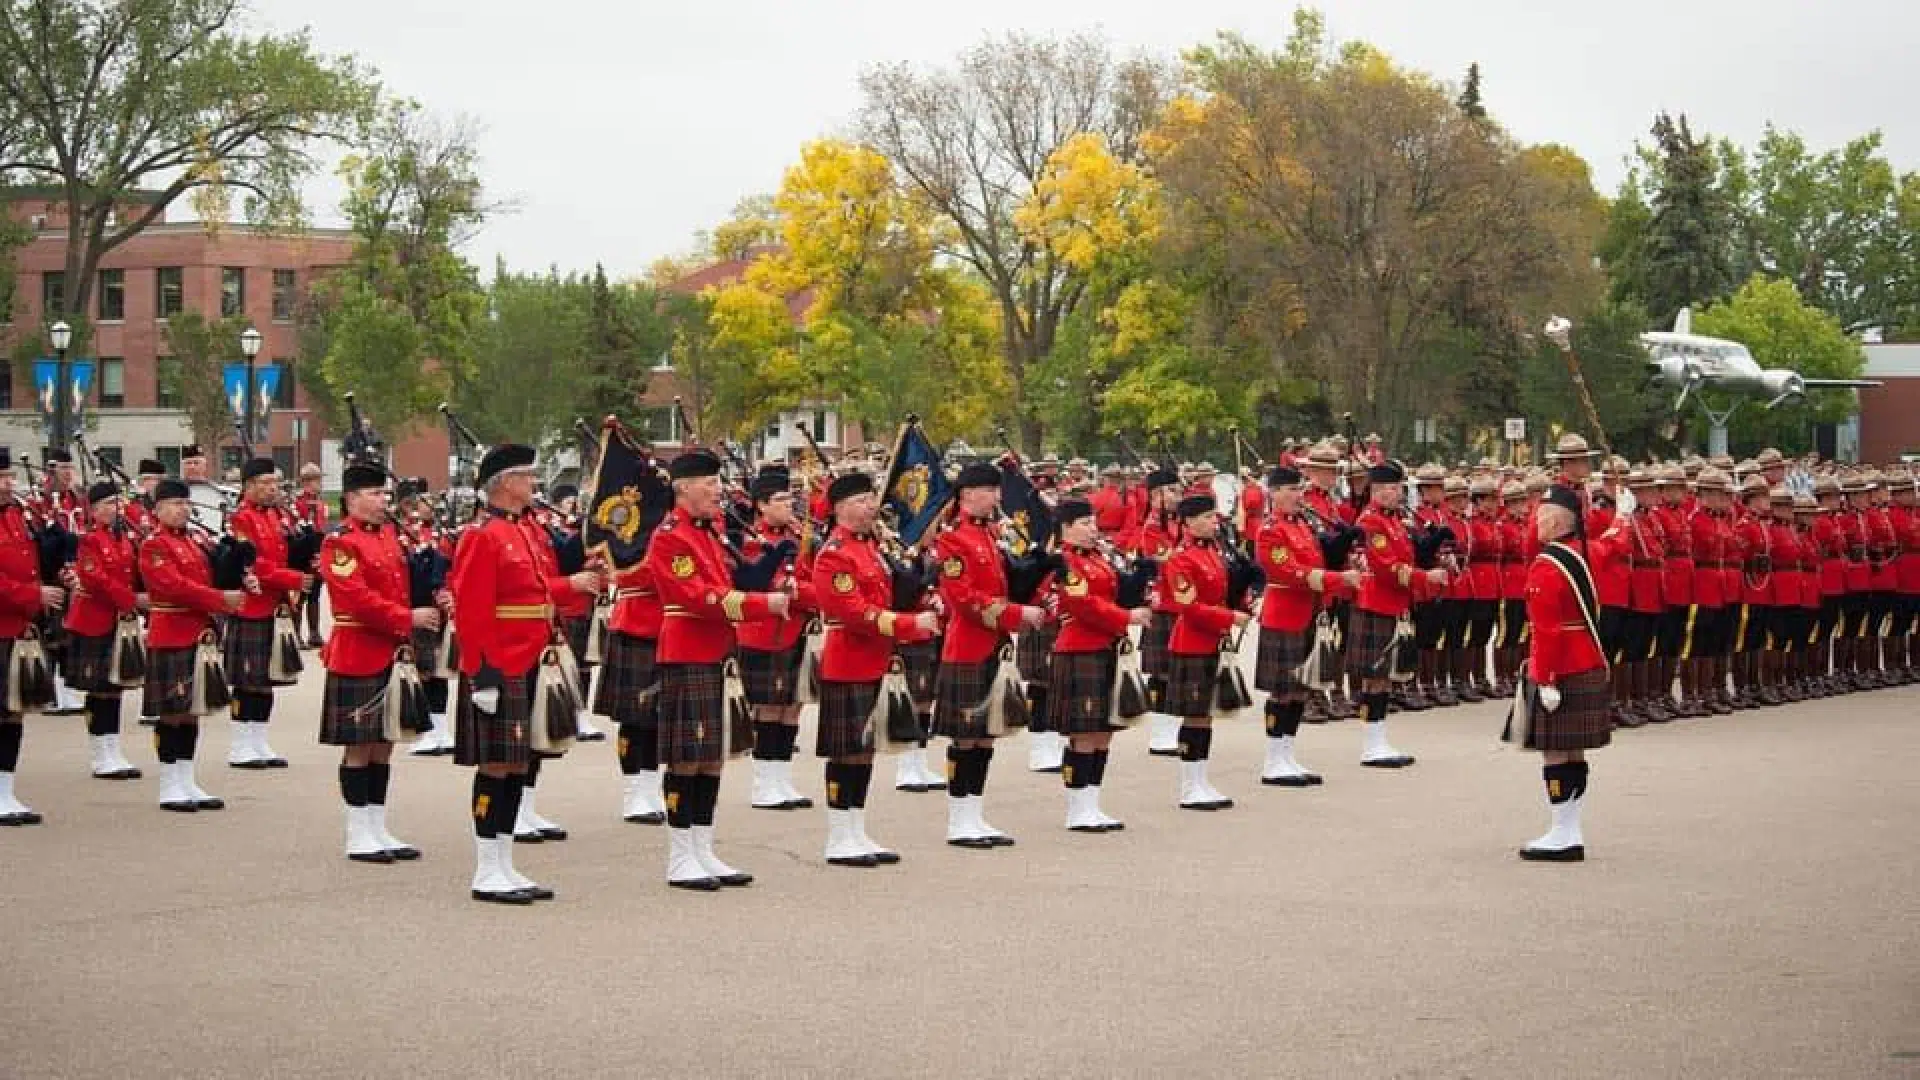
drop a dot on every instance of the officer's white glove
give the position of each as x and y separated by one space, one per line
1550 698
485 691
488 701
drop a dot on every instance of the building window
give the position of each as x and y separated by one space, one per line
665 361
233 291
113 382
773 429
170 292
6 389
53 293
283 390
660 423
166 383
283 296
113 295
114 454
169 459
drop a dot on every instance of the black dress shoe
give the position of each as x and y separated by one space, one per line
513 896
1576 853
864 862
128 773
1173 752
25 817
274 762
381 857
917 789
529 838
404 853
210 803
1286 781
1399 761
554 834
1314 779
256 763
1204 807
538 892
978 843
735 880
646 819
884 858
701 884
1087 828
183 806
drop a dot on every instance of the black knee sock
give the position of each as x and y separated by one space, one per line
505 807
437 696
532 775
679 800
10 732
766 740
103 714
789 738
707 800
1276 718
958 771
982 762
1289 721
1037 708
1096 768
860 778
1376 706
254 706
186 740
1196 743
377 779
350 786
1562 781
164 745
631 738
1075 767
839 786
489 795
1579 778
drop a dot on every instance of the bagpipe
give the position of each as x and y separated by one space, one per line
1027 529
1429 542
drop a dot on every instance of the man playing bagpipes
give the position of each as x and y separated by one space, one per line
515 695
24 597
1195 584
1333 518
429 554
1098 610
771 650
368 704
1295 623
576 612
262 646
311 510
1154 538
185 680
1565 712
973 700
704 601
1393 583
105 652
139 502
854 588
62 509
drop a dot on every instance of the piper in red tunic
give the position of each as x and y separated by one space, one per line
628 689
250 632
1568 665
704 601
179 583
1391 586
365 573
1195 581
104 597
1085 662
771 650
22 599
1154 538
1299 587
1328 514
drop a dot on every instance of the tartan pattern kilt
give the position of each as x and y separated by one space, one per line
503 737
1372 632
845 708
1584 720
627 674
353 709
1276 668
693 715
959 691
169 689
1190 685
90 664
922 663
578 628
1081 700
248 650
6 677
769 677
1033 653
1155 659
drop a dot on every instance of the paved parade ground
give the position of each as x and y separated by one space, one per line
1750 908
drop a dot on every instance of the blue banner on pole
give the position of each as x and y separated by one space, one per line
46 377
266 382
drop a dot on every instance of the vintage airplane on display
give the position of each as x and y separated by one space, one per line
1692 362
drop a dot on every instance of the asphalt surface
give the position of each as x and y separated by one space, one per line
1750 907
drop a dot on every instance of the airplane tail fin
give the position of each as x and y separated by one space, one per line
1683 322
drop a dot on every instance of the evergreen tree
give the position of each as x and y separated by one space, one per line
1683 258
1469 100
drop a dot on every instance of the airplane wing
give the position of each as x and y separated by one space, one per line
1838 383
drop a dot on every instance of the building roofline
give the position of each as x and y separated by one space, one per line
181 228
36 191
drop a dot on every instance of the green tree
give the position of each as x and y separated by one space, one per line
200 349
1469 99
1685 253
531 368
122 108
1768 316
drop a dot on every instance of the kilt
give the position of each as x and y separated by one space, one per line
958 693
1033 653
169 689
1276 668
1584 720
1154 654
845 708
1371 634
1190 686
353 710
90 664
922 662
504 737
693 714
627 674
1081 697
770 677
248 648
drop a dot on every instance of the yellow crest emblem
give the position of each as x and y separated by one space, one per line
1183 591
1279 555
682 566
911 487
344 564
1076 585
1014 533
1379 540
619 514
843 583
953 567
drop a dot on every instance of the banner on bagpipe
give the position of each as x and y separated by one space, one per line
630 496
917 487
1029 520
46 378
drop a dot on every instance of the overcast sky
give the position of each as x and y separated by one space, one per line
619 129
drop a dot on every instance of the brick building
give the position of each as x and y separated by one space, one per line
1890 414
167 268
782 437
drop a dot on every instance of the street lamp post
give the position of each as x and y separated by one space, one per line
249 348
62 336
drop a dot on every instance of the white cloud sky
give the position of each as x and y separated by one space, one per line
620 129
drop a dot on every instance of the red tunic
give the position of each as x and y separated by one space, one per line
1196 593
1516 551
1759 583
19 573
1906 526
1112 512
1716 579
1789 571
1677 585
779 634
180 585
261 527
1883 547
855 590
693 573
1091 619
1645 549
502 595
1393 582
1831 540
1298 583
973 584
105 570
1853 530
637 611
365 573
1561 642
1485 552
